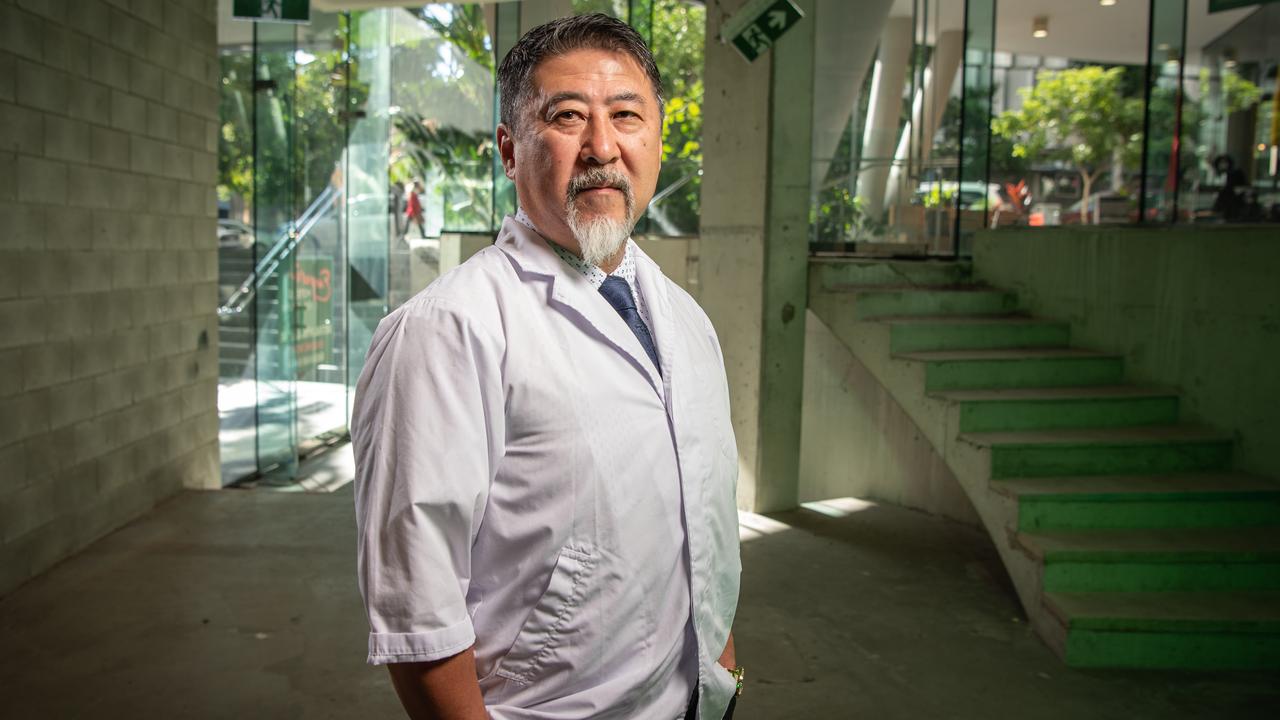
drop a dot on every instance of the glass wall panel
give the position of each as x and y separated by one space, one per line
978 199
506 32
1163 117
237 409
886 126
274 209
678 29
1067 126
1231 123
319 270
441 80
367 227
305 223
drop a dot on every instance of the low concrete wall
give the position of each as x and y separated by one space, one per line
855 440
1196 308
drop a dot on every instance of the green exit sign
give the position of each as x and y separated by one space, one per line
292 11
1220 5
758 25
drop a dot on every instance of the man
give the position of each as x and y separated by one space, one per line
545 464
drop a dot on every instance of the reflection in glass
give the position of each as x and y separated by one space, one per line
274 209
1231 165
366 183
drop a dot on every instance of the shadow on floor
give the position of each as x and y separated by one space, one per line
243 604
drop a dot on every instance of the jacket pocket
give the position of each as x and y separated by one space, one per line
541 634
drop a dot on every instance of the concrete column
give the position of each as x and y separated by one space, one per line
945 64
884 111
926 108
845 36
754 245
536 12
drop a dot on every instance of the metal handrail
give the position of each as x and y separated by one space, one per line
289 240
668 190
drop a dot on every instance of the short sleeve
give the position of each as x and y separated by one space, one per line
427 431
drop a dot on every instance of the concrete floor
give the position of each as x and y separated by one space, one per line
243 604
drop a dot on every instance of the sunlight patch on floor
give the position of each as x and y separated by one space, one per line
838 507
752 526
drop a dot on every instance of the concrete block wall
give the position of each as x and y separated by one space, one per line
108 268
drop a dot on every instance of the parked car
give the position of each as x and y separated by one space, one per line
233 233
971 193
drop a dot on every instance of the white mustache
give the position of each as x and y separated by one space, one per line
599 178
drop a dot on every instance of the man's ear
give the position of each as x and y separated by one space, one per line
507 150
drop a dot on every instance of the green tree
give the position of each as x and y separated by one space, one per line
314 96
462 25
1005 166
1079 117
678 35
460 156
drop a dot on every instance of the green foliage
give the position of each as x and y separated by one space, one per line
314 95
678 35
464 26
937 198
615 8
462 158
840 217
1076 116
1239 94
1080 117
1004 164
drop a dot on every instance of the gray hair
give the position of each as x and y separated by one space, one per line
595 31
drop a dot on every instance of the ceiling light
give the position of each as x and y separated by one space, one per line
1106 3
1040 27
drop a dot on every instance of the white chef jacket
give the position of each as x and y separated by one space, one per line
521 474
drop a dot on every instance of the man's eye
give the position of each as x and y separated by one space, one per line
627 115
568 116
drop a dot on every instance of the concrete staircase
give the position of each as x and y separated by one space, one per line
1129 538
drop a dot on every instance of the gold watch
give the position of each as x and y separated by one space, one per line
738 673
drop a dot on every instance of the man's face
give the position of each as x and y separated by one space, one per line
589 136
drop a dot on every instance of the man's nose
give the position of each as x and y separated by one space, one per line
600 143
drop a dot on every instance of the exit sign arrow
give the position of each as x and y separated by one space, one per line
758 25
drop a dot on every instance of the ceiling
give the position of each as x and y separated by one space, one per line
1082 29
1078 29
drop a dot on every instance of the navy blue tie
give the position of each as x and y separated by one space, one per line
618 293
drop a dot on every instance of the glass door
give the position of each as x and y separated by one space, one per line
274 212
319 260
367 224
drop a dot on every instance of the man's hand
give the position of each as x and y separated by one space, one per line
441 689
728 659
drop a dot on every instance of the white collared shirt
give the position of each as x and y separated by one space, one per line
528 483
594 273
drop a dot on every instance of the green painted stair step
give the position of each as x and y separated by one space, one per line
842 274
1157 560
973 332
1016 368
871 303
1169 630
1154 450
1195 500
1071 407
